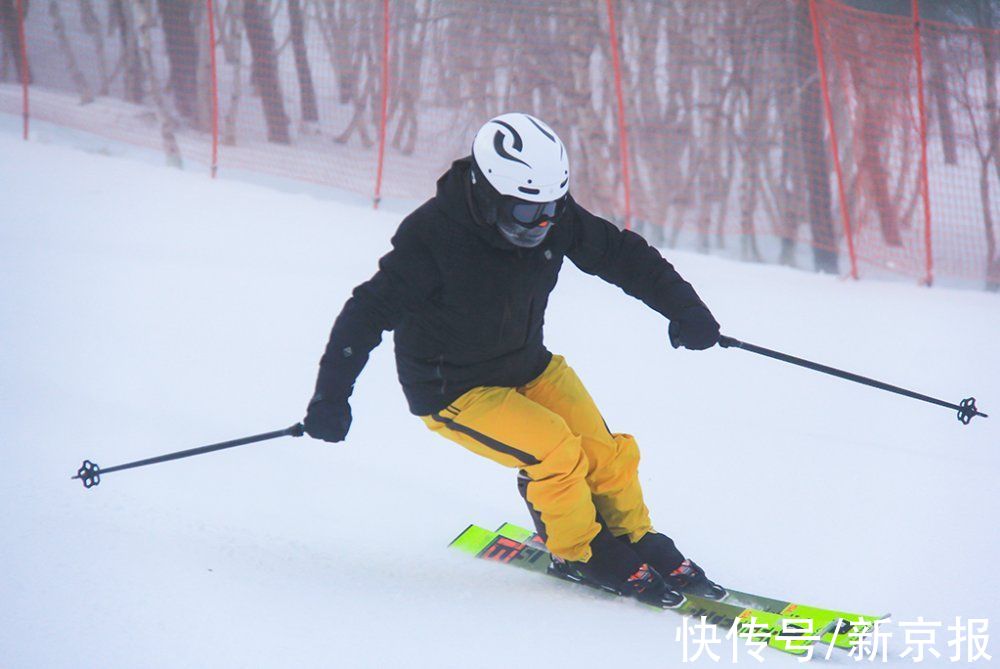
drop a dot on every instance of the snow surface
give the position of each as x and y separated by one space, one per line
146 310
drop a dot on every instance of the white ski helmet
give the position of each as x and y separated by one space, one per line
521 156
526 169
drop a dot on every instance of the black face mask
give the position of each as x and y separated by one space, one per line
522 223
525 237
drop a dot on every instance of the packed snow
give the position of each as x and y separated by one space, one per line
146 310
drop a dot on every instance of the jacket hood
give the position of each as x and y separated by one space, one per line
454 198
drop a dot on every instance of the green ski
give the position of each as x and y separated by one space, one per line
847 627
780 632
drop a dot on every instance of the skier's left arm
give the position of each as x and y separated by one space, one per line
625 259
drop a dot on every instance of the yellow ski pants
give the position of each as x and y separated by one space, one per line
573 466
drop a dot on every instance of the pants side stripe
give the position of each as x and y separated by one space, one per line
490 442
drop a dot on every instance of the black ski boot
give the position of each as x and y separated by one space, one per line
616 568
679 572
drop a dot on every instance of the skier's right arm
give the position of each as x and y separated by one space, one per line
406 277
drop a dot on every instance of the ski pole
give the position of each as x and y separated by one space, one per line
966 408
90 472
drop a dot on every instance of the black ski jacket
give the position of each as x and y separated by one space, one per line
468 307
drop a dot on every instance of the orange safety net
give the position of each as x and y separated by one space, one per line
792 131
962 71
871 76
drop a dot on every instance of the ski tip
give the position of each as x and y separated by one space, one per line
473 539
460 535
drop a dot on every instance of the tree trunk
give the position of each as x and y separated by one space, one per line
92 26
791 186
338 22
746 69
991 61
592 153
203 69
407 61
232 43
182 51
131 59
80 81
363 25
307 94
938 86
260 34
11 34
790 189
166 119
750 183
814 156
992 260
872 170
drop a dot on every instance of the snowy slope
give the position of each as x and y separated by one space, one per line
146 310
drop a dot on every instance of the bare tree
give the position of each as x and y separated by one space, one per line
683 104
144 24
340 26
80 81
742 32
307 94
131 60
989 43
176 17
358 67
10 27
785 183
878 107
968 72
988 15
231 36
203 71
260 34
937 87
408 58
812 146
92 26
654 126
595 155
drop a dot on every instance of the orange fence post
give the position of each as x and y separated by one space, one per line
215 87
925 192
622 126
385 102
841 192
25 72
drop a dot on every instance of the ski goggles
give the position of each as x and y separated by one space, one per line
526 224
531 214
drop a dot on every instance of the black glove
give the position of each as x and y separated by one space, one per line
695 329
328 420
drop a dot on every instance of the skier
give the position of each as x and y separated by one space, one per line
465 287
